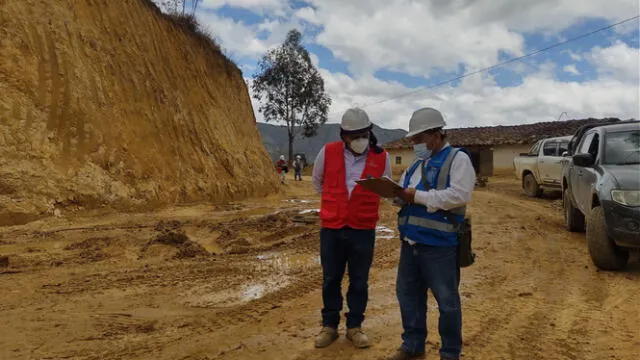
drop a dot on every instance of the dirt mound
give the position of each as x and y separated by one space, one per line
94 242
245 235
110 103
91 250
172 234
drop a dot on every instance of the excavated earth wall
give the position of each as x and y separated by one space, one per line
110 103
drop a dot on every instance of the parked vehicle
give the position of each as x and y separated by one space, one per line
601 191
541 167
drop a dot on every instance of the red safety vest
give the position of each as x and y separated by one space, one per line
337 209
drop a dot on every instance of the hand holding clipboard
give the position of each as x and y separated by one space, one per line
383 186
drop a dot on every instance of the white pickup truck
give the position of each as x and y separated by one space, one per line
541 167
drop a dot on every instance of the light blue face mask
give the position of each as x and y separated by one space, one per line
421 151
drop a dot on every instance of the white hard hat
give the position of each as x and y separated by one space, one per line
425 119
355 119
281 157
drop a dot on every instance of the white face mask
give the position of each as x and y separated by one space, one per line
421 151
359 145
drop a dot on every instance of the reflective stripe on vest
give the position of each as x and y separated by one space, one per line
442 180
426 223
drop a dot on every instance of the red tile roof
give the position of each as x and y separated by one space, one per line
507 135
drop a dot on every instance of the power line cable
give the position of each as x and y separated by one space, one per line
519 58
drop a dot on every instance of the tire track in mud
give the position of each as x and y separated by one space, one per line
556 320
518 318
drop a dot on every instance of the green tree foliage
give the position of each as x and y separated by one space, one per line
291 90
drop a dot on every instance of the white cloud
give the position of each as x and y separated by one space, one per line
308 14
479 101
619 61
574 56
241 40
541 15
416 41
235 37
420 36
571 69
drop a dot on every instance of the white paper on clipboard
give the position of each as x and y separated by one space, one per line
383 186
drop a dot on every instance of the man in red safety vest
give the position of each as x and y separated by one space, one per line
349 215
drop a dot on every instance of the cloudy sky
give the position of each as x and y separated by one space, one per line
369 51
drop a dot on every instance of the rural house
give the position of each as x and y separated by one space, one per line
492 148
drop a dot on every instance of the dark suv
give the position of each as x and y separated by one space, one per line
601 184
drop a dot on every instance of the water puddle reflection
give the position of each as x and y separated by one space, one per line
383 232
233 296
309 211
288 261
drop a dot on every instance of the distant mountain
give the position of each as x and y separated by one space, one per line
274 138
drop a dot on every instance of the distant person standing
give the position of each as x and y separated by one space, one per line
298 165
349 215
282 168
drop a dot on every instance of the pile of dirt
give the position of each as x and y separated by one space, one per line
109 103
91 250
245 235
171 234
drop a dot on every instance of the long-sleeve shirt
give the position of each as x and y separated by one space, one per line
354 166
462 181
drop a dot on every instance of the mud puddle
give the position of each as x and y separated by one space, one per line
215 297
288 261
300 201
309 211
383 232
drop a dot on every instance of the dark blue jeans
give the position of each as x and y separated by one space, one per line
340 249
425 267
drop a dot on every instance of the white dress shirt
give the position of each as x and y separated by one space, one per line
354 166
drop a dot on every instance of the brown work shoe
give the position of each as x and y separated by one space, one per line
358 337
402 354
326 337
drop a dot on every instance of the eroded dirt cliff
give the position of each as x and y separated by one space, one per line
110 103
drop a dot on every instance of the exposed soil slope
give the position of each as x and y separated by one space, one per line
108 102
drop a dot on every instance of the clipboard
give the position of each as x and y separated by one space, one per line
383 186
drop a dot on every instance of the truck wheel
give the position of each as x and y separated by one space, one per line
530 186
604 253
573 218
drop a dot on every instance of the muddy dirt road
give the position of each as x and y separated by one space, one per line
242 281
